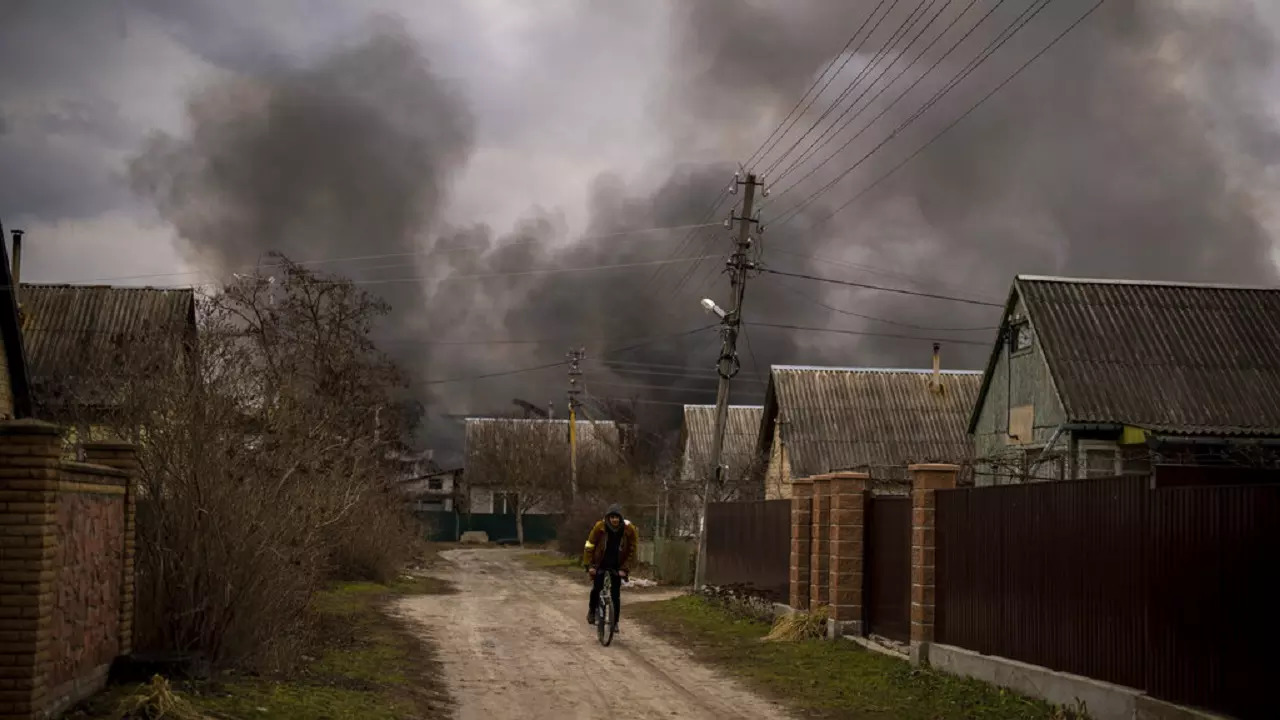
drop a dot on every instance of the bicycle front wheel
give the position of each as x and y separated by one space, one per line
604 616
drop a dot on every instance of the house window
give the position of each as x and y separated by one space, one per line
1099 463
1020 337
505 503
435 483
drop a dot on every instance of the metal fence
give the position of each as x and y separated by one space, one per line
749 545
1163 590
448 526
888 575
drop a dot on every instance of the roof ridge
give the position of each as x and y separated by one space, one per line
905 371
1154 283
102 286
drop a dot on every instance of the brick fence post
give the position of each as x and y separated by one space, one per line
29 470
124 457
801 543
847 543
926 481
819 548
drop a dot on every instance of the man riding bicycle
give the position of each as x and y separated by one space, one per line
610 547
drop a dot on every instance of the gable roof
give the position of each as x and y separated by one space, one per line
742 427
66 327
867 418
1178 358
11 336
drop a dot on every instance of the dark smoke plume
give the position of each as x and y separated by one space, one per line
1134 148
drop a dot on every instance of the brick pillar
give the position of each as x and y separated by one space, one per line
801 543
29 470
819 549
123 456
926 481
847 542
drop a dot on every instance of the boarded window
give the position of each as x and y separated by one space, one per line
1100 463
435 483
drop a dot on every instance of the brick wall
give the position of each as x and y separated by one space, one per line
66 569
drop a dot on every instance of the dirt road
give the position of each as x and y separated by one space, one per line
516 645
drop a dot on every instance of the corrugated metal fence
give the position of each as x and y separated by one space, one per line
1165 590
749 544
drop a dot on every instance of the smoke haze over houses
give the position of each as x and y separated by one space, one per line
472 153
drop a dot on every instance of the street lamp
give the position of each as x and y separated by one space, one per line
710 306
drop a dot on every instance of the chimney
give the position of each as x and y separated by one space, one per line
936 384
17 261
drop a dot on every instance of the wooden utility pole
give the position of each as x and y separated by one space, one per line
575 356
728 365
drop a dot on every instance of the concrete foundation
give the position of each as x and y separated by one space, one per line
1102 700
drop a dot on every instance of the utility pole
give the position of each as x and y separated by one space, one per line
728 365
575 356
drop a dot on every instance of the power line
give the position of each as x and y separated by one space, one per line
889 49
559 363
866 286
793 211
968 112
887 321
869 269
867 333
382 256
853 83
810 153
848 56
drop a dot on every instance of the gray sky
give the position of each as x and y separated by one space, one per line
178 139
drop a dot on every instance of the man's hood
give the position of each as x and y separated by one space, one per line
615 509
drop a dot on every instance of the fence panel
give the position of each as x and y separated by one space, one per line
1046 573
888 576
749 544
1213 567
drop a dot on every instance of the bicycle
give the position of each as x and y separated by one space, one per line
605 621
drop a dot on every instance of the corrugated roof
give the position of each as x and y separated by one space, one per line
65 328
742 427
870 419
1176 358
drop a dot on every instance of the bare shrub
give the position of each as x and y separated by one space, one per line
265 457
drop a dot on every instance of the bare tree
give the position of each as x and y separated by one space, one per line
265 463
527 458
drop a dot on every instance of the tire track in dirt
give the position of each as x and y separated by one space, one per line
515 646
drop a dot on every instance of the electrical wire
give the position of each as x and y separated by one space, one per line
869 269
382 256
850 313
960 119
889 49
853 83
560 363
848 56
793 211
809 154
867 333
866 286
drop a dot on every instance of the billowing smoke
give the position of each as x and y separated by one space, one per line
347 159
1136 147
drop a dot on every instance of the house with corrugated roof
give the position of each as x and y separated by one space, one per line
1094 378
737 456
818 420
521 465
81 342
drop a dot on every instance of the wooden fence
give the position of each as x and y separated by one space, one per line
749 545
1165 590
